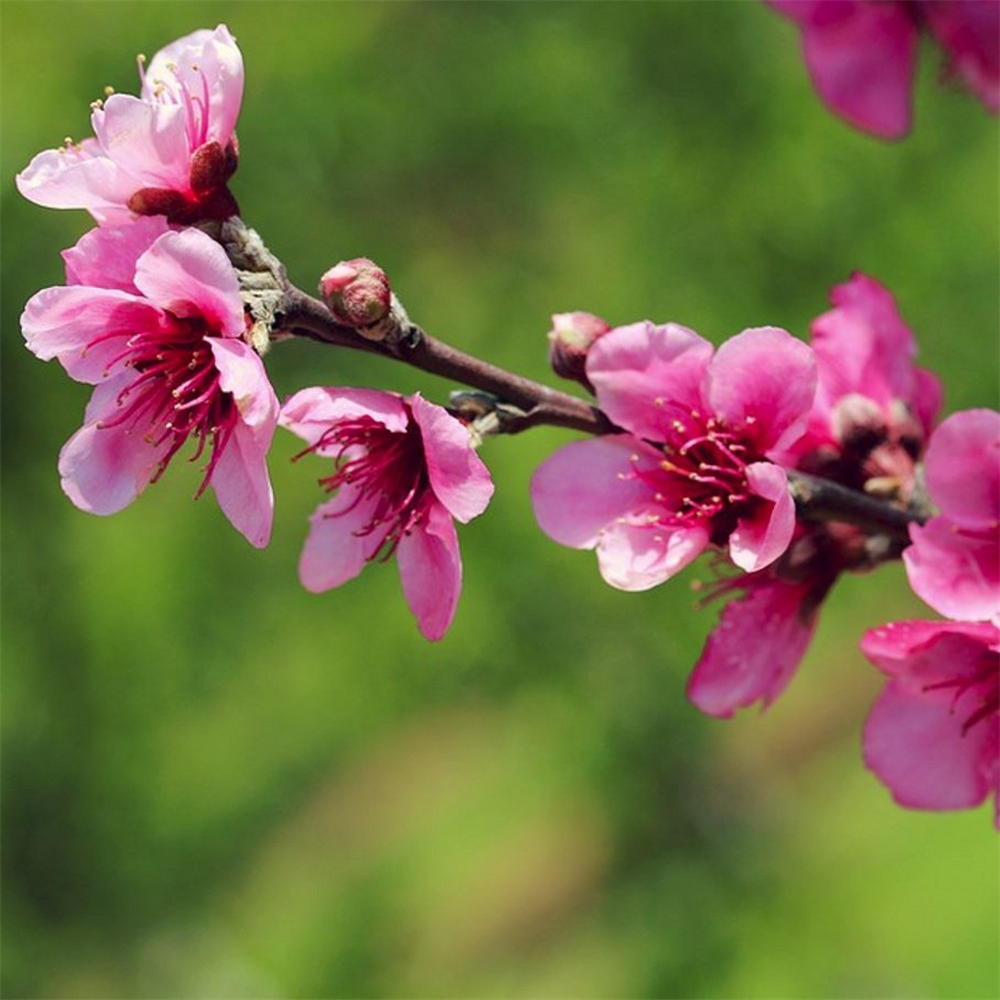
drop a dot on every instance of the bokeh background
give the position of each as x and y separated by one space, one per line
218 785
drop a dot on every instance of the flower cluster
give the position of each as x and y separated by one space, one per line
862 54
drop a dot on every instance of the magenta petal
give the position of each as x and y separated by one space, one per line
242 373
336 550
764 376
928 651
914 743
754 651
963 468
60 323
587 485
957 573
311 412
430 569
634 555
147 140
766 533
458 476
862 65
646 376
106 256
242 487
189 274
104 469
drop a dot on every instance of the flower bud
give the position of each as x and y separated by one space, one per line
571 337
859 424
358 294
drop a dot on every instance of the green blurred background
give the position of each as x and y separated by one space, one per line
218 785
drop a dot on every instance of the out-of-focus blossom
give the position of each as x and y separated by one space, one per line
861 54
933 735
871 417
692 469
405 471
954 561
170 151
154 320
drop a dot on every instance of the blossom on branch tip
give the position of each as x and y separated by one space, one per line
954 561
933 735
154 319
570 339
170 151
862 54
404 472
692 468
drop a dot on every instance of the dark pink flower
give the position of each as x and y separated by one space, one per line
169 151
693 468
861 54
871 416
155 321
405 471
933 735
954 561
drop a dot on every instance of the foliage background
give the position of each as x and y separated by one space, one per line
218 785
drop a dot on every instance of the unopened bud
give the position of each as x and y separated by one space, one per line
358 294
859 424
571 337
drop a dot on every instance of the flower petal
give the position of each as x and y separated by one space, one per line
767 378
242 486
635 555
587 485
765 534
242 373
928 651
430 569
755 649
106 256
310 412
458 476
646 376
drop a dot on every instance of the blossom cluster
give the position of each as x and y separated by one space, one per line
699 451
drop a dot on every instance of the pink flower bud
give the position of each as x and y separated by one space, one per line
357 292
571 337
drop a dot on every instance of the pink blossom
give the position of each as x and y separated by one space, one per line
933 735
861 54
405 471
954 561
169 151
691 468
154 320
871 416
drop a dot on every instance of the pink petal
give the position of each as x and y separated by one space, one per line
963 468
586 486
430 569
754 651
634 555
646 376
969 31
861 58
764 376
242 486
458 476
926 652
79 177
957 573
914 743
104 469
766 533
242 373
311 412
336 550
106 256
188 274
61 322
148 141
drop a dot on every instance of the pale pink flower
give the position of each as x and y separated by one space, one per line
154 320
861 54
169 151
933 735
405 471
871 416
692 468
954 561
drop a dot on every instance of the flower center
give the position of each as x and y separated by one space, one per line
175 394
386 469
187 87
